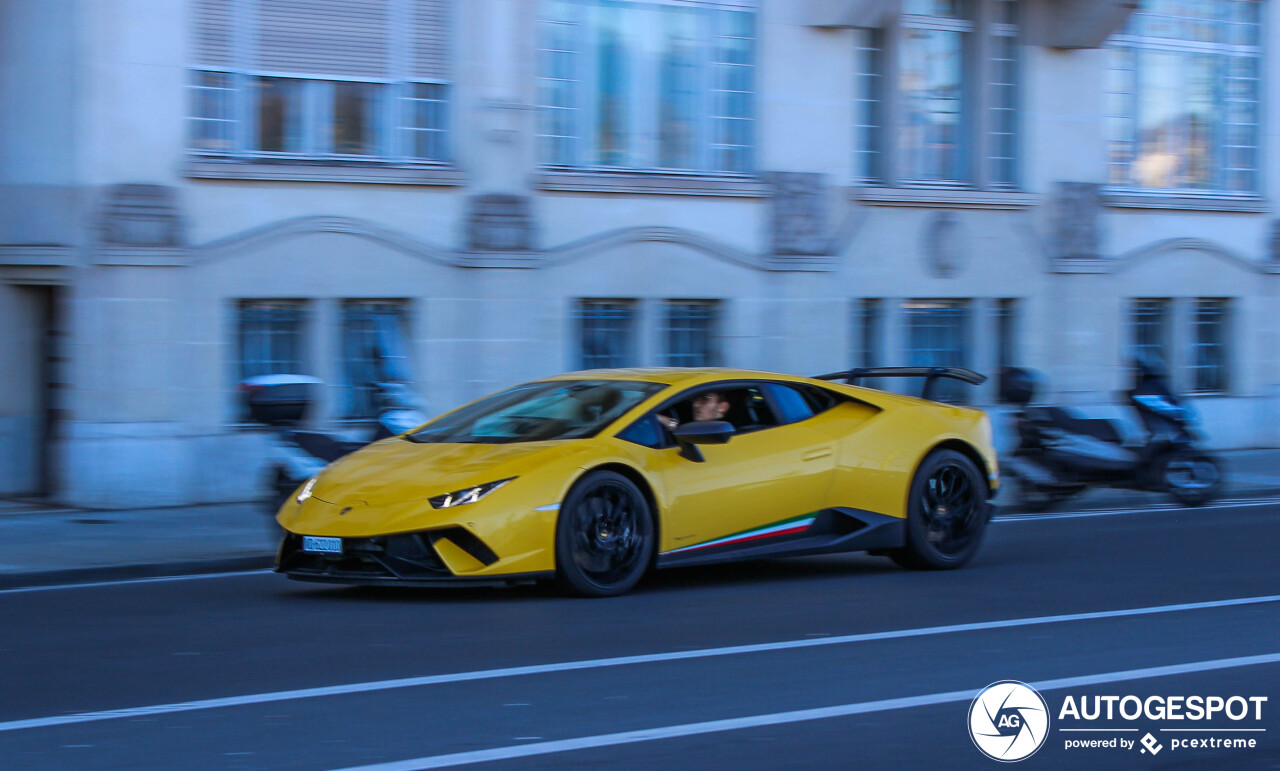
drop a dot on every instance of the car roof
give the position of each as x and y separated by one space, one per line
674 376
685 377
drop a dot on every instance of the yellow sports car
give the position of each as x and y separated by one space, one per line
595 477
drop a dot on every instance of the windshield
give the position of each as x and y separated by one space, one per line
562 409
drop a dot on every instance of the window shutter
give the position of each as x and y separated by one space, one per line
430 58
214 24
324 37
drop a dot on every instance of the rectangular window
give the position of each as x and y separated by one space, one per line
1210 363
426 121
870 333
212 123
733 81
1149 321
606 333
931 83
868 105
689 333
365 80
1006 333
1182 97
374 350
270 337
355 117
948 115
938 336
280 107
1002 138
646 85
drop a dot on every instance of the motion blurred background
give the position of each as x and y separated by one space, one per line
464 194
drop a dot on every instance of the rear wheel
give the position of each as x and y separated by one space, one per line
604 536
946 513
1191 476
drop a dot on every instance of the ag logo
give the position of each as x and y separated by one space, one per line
1008 721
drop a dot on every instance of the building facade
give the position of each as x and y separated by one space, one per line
471 193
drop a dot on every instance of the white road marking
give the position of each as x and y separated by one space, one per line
122 582
649 658
796 716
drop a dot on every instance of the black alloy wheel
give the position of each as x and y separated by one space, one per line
604 536
947 513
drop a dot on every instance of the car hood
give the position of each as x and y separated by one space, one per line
397 471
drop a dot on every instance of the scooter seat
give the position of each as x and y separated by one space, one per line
1098 428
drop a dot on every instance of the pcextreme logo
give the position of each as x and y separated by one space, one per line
1009 721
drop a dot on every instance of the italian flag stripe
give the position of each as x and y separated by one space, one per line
785 527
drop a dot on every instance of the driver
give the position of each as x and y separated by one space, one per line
708 405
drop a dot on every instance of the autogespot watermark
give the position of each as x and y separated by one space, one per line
1009 721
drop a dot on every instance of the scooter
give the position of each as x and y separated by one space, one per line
282 402
1060 454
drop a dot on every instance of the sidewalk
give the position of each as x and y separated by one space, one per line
42 545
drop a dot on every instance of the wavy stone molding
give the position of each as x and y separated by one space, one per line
285 229
560 255
1158 249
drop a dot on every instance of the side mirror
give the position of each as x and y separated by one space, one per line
690 435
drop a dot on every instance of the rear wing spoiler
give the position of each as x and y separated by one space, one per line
930 374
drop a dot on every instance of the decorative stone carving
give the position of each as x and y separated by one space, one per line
138 215
1076 212
944 244
500 222
799 213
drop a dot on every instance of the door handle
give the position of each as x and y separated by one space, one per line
816 454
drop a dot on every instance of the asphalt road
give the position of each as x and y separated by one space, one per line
827 662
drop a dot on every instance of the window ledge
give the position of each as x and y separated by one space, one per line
372 172
950 197
1130 199
650 183
47 255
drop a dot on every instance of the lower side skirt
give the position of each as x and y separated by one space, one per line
833 531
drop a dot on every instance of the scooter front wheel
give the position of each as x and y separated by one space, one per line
1191 476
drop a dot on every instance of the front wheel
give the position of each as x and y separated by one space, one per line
604 536
946 513
1191 476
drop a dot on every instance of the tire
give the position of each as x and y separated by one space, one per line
947 512
1192 477
604 536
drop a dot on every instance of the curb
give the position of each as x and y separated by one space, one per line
1131 498
103 573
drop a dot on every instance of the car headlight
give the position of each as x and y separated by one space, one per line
305 492
466 495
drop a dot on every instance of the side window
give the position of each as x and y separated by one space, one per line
820 399
744 406
749 410
791 403
643 432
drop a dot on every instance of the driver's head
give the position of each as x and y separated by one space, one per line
709 405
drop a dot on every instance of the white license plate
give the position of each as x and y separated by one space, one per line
315 543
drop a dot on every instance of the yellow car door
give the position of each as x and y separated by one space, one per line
759 484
